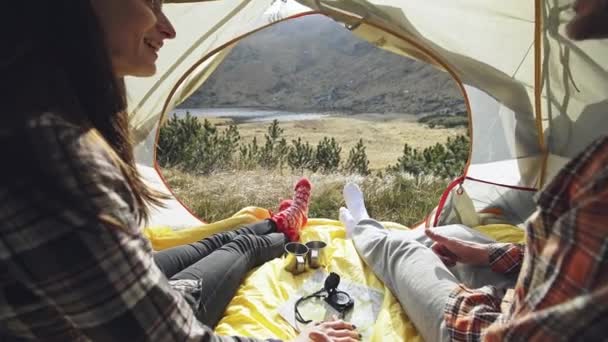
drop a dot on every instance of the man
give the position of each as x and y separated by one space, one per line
562 289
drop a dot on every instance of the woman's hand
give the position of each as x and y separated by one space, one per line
452 250
329 331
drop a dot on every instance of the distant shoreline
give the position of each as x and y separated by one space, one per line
336 111
243 115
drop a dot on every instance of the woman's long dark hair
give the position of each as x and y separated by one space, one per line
55 60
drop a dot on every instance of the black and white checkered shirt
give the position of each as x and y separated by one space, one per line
65 275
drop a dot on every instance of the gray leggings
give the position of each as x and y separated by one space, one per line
221 261
416 276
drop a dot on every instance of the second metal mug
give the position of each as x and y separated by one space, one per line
295 261
316 253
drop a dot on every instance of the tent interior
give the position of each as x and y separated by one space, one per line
534 99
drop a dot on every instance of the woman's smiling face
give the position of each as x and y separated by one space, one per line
135 31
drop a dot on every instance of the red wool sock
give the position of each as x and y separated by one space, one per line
290 220
286 203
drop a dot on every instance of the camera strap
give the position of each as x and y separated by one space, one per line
339 300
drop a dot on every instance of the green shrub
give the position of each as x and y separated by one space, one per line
441 160
327 155
300 156
274 152
357 160
410 162
213 149
176 138
201 148
445 121
249 155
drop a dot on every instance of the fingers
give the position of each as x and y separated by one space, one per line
445 251
343 333
337 325
446 256
317 336
345 339
434 236
452 244
440 238
339 330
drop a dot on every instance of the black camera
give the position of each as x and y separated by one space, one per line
338 300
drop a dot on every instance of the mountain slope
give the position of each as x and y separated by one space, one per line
315 64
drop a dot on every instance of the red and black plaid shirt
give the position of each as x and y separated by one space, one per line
562 290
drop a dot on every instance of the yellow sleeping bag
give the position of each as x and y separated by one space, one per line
166 237
254 309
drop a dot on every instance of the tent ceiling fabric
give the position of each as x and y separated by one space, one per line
503 53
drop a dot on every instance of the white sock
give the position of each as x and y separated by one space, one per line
354 202
348 221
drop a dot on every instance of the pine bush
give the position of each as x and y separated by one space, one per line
357 160
327 155
300 156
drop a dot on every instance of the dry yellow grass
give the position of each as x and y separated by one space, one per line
383 134
393 197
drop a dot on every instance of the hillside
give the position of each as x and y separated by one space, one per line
315 64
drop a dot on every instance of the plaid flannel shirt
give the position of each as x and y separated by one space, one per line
562 290
65 274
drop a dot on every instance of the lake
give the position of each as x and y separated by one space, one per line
243 115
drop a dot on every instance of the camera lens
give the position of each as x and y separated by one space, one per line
341 299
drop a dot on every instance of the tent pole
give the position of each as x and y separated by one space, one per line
538 88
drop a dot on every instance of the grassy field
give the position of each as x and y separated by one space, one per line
390 197
396 198
383 134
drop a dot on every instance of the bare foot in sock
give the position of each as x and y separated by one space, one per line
348 221
354 202
290 220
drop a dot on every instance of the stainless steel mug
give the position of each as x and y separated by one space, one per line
316 254
295 261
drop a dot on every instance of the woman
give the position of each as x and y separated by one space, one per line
73 263
217 265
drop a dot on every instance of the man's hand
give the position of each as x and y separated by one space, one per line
329 331
452 250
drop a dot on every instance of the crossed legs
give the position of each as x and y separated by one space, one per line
409 268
